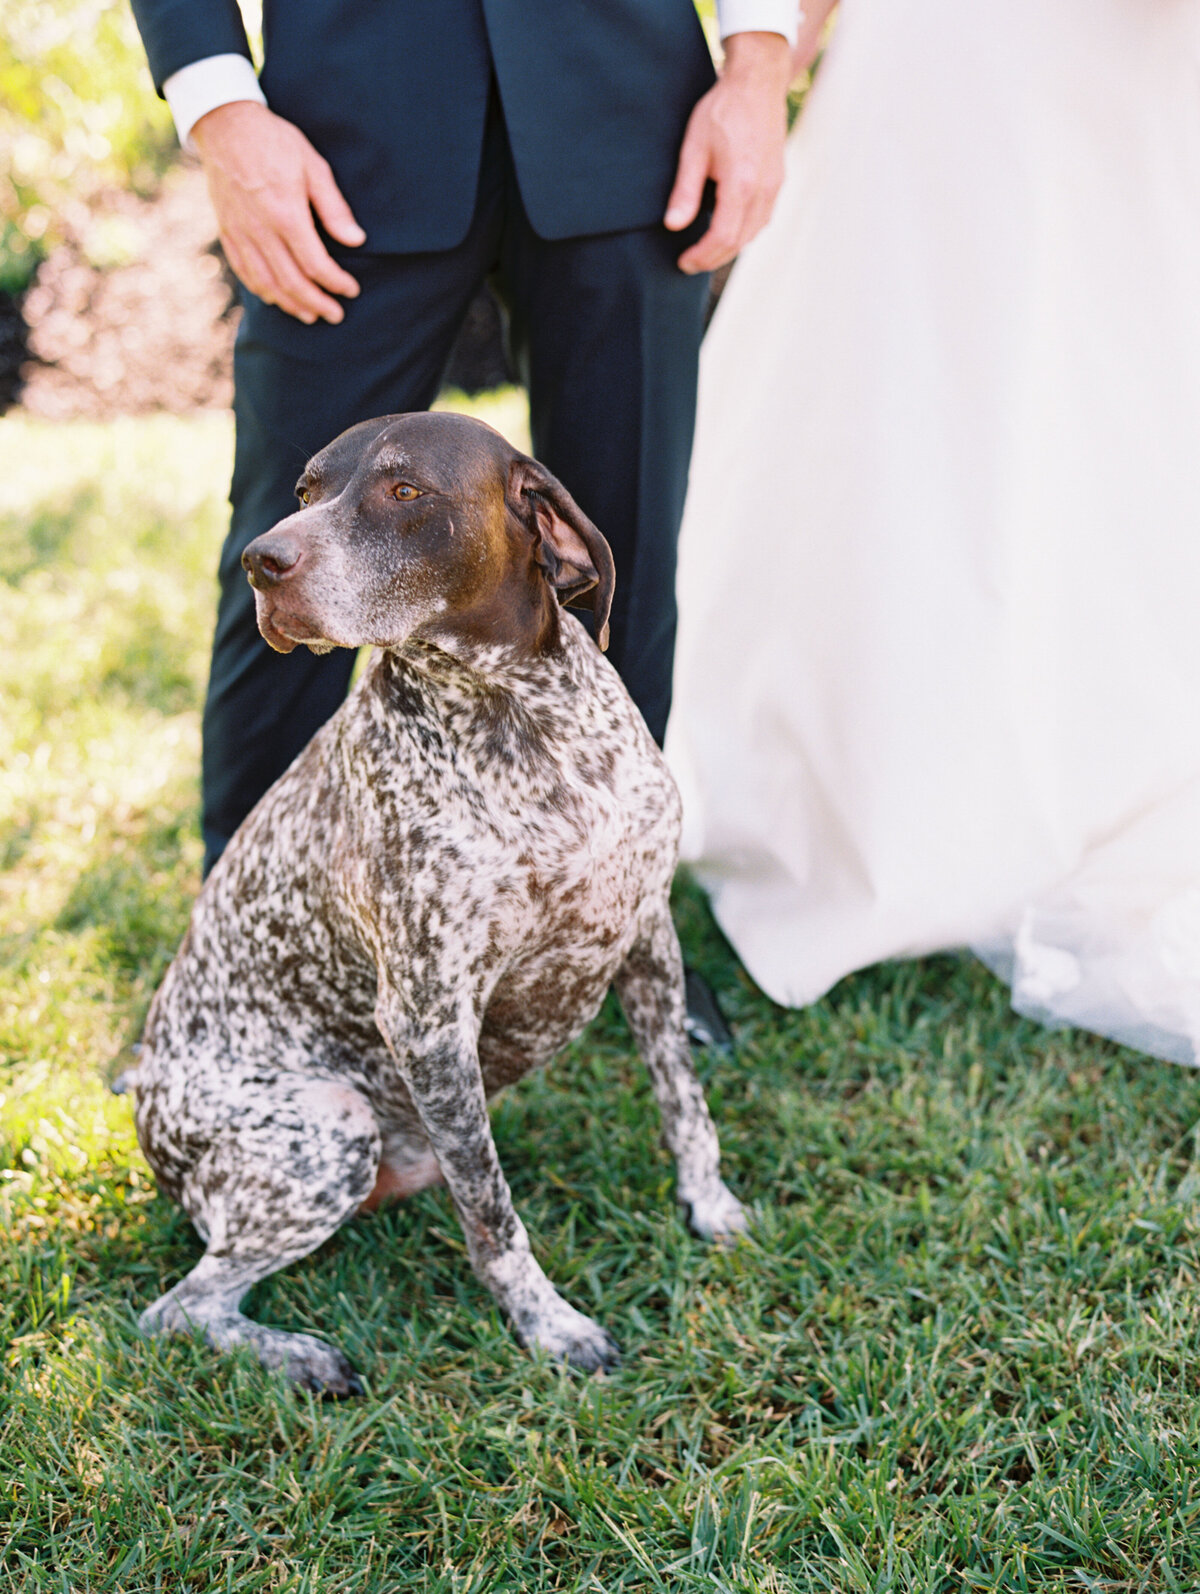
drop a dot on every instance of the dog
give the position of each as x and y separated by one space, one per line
431 901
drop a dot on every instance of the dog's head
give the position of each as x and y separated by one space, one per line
427 525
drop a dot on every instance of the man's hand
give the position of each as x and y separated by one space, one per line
735 136
265 180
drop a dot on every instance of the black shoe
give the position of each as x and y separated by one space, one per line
704 1023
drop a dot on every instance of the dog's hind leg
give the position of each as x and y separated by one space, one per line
650 986
276 1180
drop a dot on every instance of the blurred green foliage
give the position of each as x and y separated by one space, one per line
77 114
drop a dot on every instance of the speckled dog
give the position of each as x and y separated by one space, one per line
431 901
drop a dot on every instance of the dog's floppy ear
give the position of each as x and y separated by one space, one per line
572 553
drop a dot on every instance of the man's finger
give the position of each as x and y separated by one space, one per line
306 292
275 291
250 268
246 263
296 293
722 240
691 174
335 214
317 263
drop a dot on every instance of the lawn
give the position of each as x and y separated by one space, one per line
960 1351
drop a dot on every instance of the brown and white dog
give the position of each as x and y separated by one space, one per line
432 900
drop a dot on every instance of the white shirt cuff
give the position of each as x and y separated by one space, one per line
195 90
759 16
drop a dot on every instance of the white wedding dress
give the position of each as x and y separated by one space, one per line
938 676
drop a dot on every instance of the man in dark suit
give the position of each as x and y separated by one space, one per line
395 157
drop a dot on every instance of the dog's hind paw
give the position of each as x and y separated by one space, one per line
304 1360
717 1215
312 1364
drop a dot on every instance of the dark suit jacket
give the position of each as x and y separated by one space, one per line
596 95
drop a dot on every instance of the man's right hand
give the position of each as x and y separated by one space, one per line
266 180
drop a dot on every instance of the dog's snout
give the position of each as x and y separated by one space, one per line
269 560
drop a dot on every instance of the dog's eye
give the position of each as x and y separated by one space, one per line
405 492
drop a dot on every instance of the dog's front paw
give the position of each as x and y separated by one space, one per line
717 1215
568 1336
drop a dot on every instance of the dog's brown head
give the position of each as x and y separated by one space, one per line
426 525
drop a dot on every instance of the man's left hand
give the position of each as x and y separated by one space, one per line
735 136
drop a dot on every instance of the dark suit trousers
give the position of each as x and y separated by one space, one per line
606 332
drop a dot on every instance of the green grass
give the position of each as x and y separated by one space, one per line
961 1351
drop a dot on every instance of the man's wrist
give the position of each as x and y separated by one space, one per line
764 57
216 80
758 16
227 122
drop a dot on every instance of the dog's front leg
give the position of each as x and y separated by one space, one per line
440 1066
650 986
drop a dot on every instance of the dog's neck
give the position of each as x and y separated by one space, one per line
468 668
502 709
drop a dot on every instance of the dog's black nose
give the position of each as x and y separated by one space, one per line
268 560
